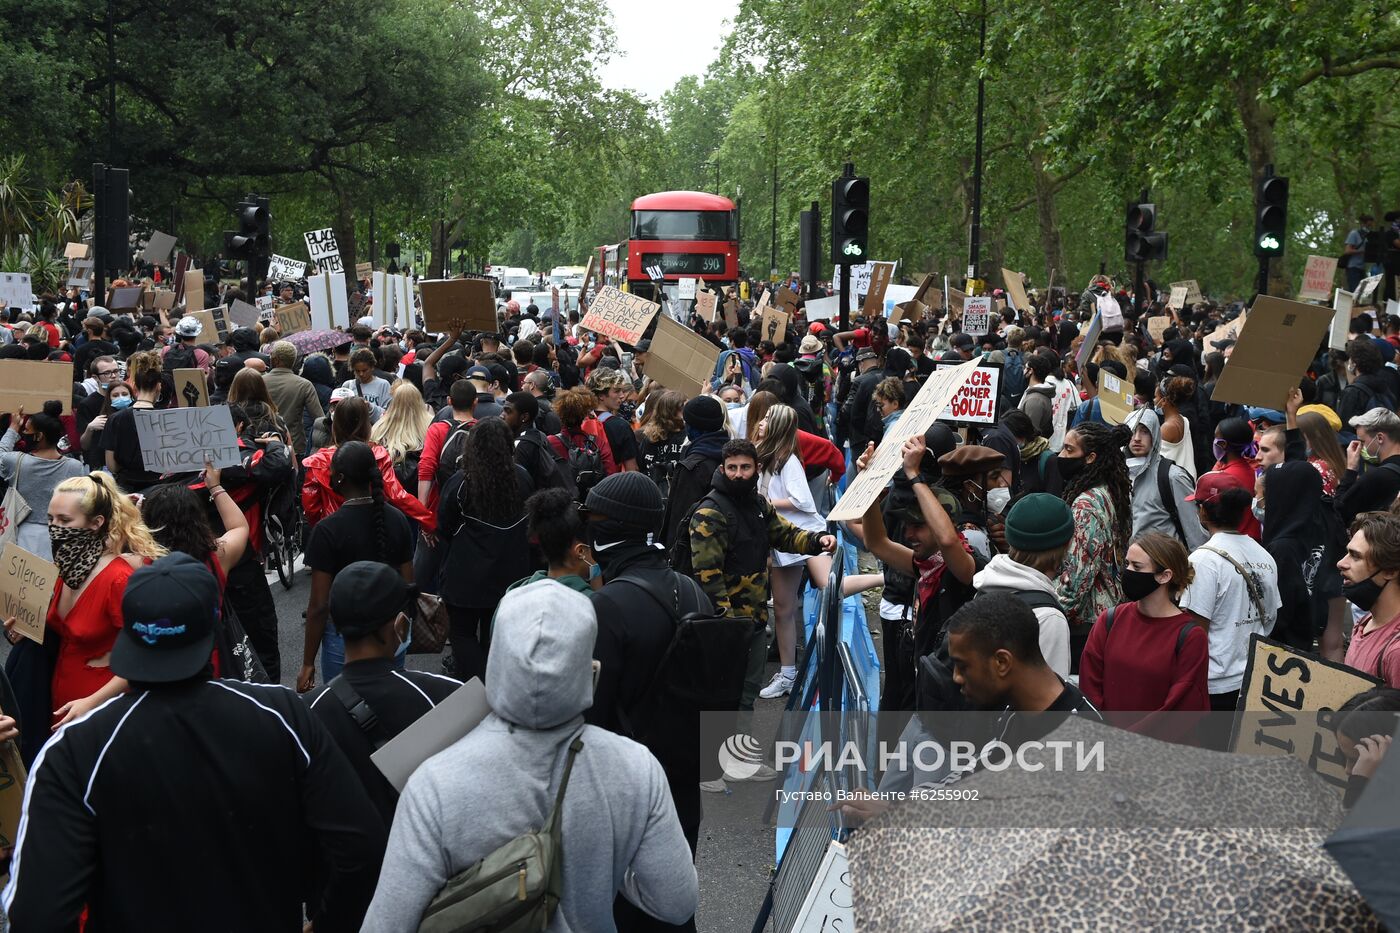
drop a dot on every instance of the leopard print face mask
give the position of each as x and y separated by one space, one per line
75 552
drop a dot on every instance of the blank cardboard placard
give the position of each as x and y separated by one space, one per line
330 306
1091 339
956 301
880 275
293 318
731 313
191 388
823 309
930 401
1272 353
706 305
403 301
242 314
163 300
1317 278
1115 397
180 440
679 358
192 288
26 586
1343 310
619 315
1015 284
773 325
452 305
126 298
158 248
76 250
31 383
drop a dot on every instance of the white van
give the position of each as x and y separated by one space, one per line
513 278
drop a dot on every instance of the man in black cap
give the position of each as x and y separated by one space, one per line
485 382
704 418
373 699
216 791
858 406
960 348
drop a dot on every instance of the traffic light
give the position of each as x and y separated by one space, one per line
850 218
252 240
1141 241
1271 214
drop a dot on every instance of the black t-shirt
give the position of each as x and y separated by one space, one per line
621 439
348 535
119 436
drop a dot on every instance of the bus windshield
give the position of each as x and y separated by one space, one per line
682 225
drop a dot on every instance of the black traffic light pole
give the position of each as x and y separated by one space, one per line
1138 285
1270 223
850 228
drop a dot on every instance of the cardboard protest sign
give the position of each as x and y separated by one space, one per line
330 306
685 289
452 305
12 781
28 384
679 358
180 440
1366 291
1178 298
432 732
191 288
787 299
976 401
26 586
1115 397
283 269
1272 353
219 315
955 300
76 250
731 313
323 250
1091 340
912 309
293 318
16 290
706 303
1291 694
163 300
364 270
930 401
80 274
880 275
242 314
1157 327
158 248
1193 291
208 330
1015 285
619 315
1343 310
773 325
588 270
1230 330
1317 278
191 388
977 315
126 298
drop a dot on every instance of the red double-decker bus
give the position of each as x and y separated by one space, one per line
687 234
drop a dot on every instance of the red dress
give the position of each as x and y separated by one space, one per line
89 631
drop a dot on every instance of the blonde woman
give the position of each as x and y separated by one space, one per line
784 484
401 429
98 538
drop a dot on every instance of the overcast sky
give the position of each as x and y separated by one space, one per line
661 41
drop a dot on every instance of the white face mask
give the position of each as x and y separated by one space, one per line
997 500
1257 509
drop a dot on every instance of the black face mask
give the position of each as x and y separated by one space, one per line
1364 594
1070 467
1138 584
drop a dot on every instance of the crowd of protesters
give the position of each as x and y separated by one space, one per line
571 519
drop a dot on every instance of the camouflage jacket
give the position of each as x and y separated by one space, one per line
742 594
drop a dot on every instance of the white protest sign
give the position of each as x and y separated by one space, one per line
16 291
403 302
265 308
283 269
1193 290
977 315
823 309
619 315
1110 312
1178 299
1317 278
1366 291
180 440
382 298
930 401
976 401
1341 320
829 906
323 250
685 289
330 306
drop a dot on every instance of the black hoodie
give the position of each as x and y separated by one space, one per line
790 379
1295 536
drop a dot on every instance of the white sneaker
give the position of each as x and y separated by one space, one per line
717 786
779 686
763 774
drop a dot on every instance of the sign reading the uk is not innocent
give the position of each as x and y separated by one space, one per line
180 440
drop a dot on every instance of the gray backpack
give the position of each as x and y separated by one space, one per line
514 889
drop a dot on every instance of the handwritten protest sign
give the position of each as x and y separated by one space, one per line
880 275
1157 327
1193 291
1272 353
191 388
976 401
31 383
1178 298
787 299
158 248
293 318
16 290
685 289
706 302
977 315
1115 397
1366 290
679 358
283 269
26 586
451 305
266 307
773 325
1285 703
180 440
363 270
1317 278
830 904
930 401
323 250
619 315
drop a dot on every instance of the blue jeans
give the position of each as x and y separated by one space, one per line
333 654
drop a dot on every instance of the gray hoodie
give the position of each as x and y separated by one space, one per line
1001 570
1149 512
620 827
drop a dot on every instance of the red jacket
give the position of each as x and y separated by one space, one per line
318 499
818 453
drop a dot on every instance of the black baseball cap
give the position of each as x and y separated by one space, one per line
169 611
365 595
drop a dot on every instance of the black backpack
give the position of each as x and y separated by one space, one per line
450 459
180 356
551 471
1372 398
1033 599
583 464
682 561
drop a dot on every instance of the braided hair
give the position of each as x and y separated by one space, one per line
1109 470
354 460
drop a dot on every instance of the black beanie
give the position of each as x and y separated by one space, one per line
629 498
704 413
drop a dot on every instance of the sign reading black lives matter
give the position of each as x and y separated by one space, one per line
323 250
180 440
